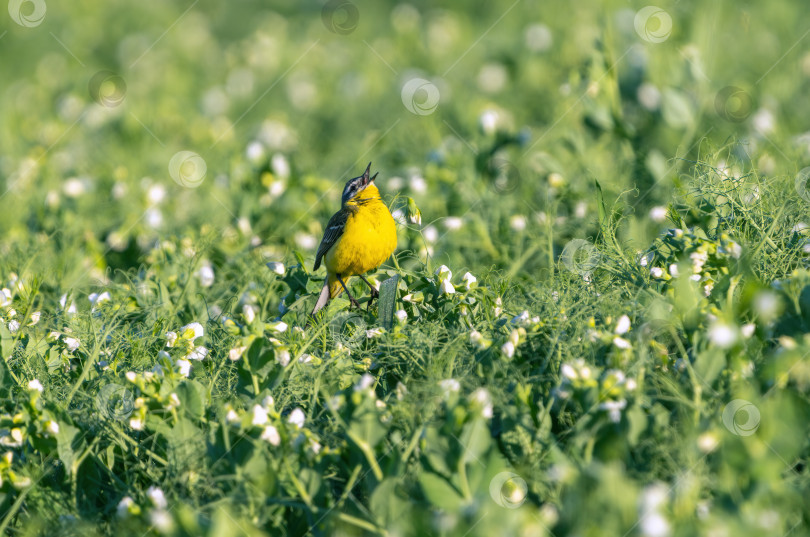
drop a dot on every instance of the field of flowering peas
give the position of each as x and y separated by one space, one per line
596 322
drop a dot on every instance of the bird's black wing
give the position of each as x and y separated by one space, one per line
334 229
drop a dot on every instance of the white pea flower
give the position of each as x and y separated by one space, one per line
708 442
270 434
698 260
722 335
449 386
97 298
568 371
124 506
282 357
444 273
236 353
206 275
401 315
35 385
249 313
255 152
430 233
72 343
136 424
508 349
453 223
277 326
447 287
498 309
174 401
171 338
192 331
374 332
658 214
623 325
621 343
523 318
280 166
365 382
277 267
161 520
259 415
673 270
69 308
614 409
183 367
199 353
156 496
34 318
483 398
748 330
469 280
232 416
13 326
518 222
657 272
297 417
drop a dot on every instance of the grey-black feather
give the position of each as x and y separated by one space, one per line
355 185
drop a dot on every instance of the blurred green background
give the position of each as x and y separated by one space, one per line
165 151
526 105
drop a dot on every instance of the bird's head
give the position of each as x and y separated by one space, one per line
359 187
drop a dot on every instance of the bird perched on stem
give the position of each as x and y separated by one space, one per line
358 238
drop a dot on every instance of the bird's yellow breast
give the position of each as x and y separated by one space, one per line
369 238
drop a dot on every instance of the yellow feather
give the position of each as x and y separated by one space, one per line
369 238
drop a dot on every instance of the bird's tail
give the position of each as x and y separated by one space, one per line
331 289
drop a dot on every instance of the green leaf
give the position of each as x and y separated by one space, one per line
386 504
6 342
186 444
365 423
709 364
67 444
192 396
439 492
637 420
600 204
475 440
387 301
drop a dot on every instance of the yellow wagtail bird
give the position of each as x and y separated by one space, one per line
358 238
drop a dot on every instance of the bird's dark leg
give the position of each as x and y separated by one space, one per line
351 298
374 292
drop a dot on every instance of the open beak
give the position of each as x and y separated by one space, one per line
365 176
